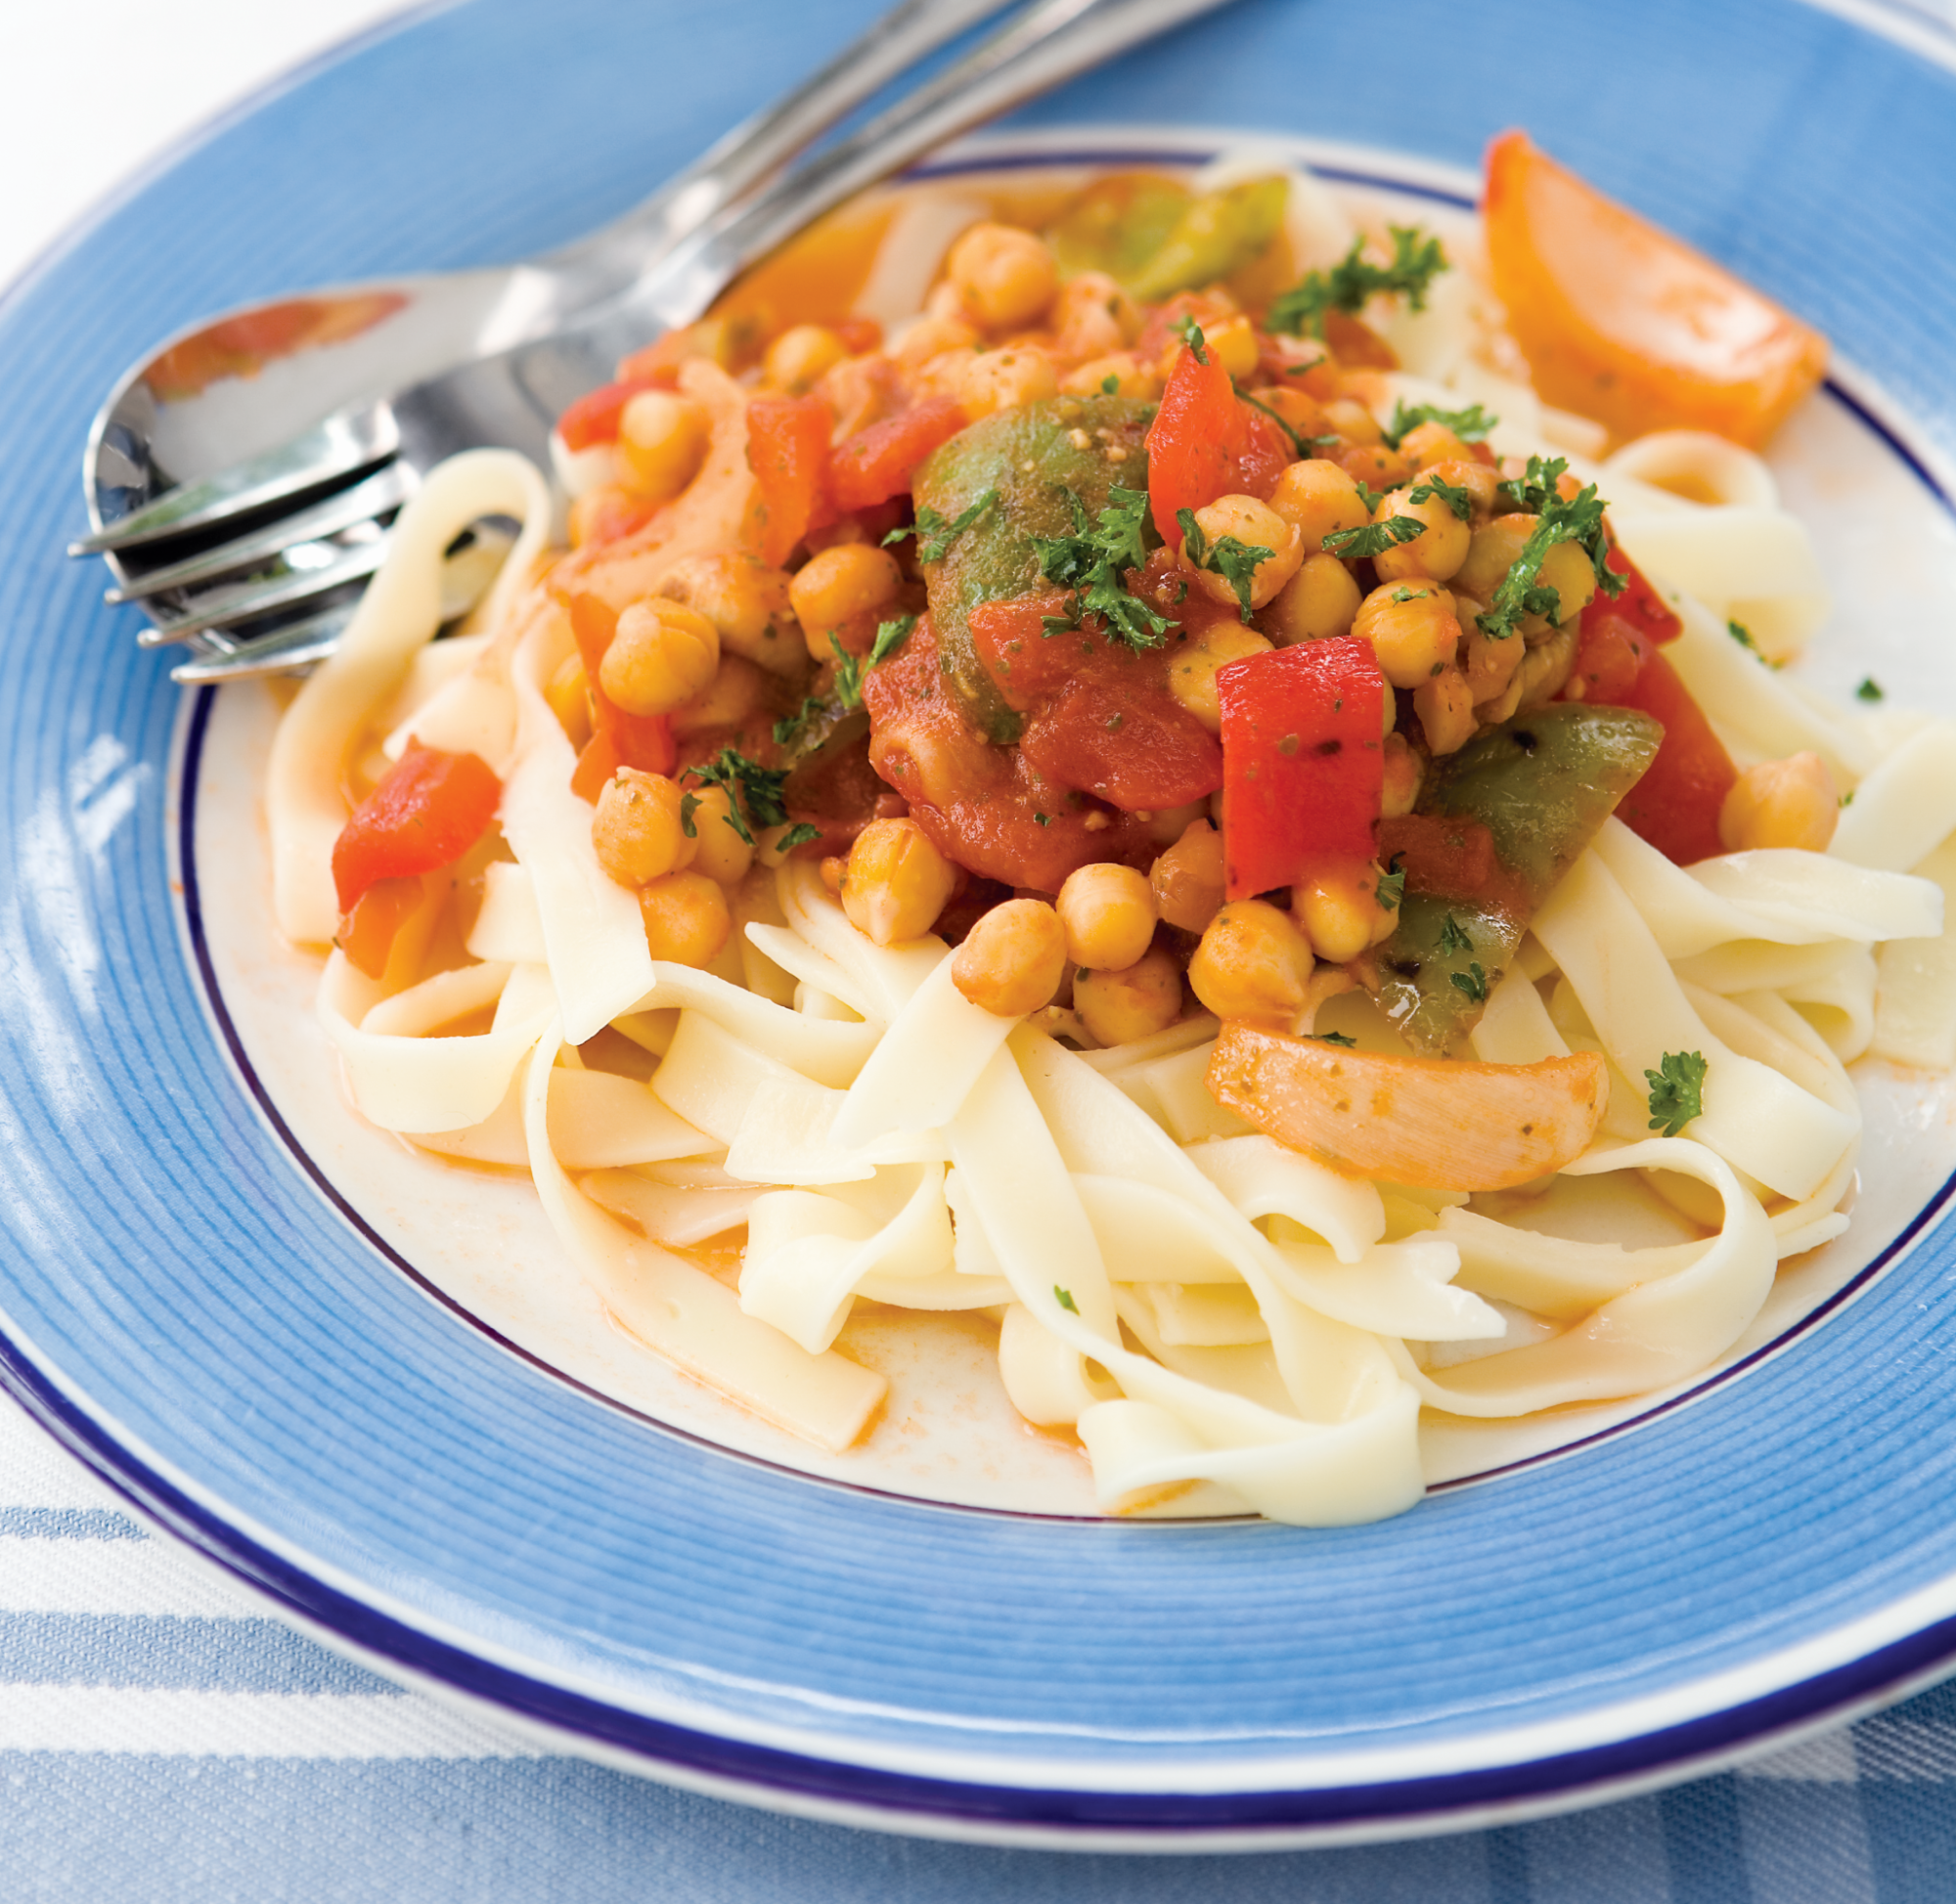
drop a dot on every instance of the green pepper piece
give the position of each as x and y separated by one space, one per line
1542 784
1032 455
1116 224
1217 235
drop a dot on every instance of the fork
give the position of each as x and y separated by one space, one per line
380 449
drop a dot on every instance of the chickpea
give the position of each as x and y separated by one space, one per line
1488 663
1353 421
1340 911
1491 553
1131 377
1253 962
1188 879
1232 343
1481 483
799 356
1403 778
1005 278
1191 675
1321 599
852 578
1787 802
1120 1007
1013 959
662 655
735 695
1319 498
1436 551
685 918
1545 670
635 830
718 851
895 883
1374 466
1411 629
1256 525
1168 824
933 336
569 697
1573 576
1109 914
1430 442
747 601
1445 709
1298 408
1003 379
663 441
1095 316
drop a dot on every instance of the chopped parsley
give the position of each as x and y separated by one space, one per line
1373 538
1456 495
1110 385
1334 1038
1453 939
1417 258
1089 563
799 834
746 782
1474 981
934 534
1064 1298
1470 425
1742 635
1235 561
890 637
1391 889
1577 518
1677 1091
1870 689
1191 333
790 727
848 675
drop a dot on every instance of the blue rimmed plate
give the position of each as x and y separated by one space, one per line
221 1331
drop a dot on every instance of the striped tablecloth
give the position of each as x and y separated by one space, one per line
162 1739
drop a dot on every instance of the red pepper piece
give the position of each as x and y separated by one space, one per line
877 463
1302 763
859 335
431 809
1618 633
1206 442
640 740
1440 853
593 417
1675 805
788 449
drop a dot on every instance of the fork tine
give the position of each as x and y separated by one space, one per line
386 489
296 646
343 443
246 600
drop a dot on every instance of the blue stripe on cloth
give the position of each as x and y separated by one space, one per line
236 1656
69 1523
1613 1855
1702 1843
1807 1843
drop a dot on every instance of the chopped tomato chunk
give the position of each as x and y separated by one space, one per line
1618 633
1206 442
1675 805
788 449
1303 762
593 417
877 464
1624 323
431 807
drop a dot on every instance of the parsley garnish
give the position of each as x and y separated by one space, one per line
1191 333
1334 1038
1453 939
1391 889
848 675
1355 279
799 834
1677 1091
1091 561
934 534
890 637
1064 1298
1578 520
1110 385
746 781
1870 689
1235 561
1742 635
1472 981
1470 425
1373 538
1456 495
789 728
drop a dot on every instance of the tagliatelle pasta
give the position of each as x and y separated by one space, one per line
854 852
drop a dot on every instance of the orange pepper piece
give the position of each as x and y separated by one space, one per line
1624 323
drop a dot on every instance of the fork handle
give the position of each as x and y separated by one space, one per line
1049 43
607 260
